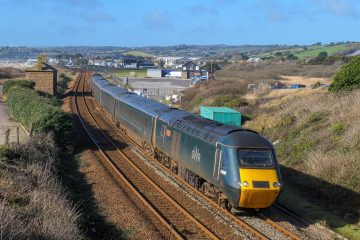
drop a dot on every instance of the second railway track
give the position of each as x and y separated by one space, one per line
178 216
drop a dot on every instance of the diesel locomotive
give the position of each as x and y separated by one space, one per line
236 167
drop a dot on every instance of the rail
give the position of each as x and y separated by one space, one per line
115 170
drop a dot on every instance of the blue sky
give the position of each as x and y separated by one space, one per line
172 22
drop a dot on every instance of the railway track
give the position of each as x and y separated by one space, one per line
176 219
170 212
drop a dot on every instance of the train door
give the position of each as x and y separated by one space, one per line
219 165
175 145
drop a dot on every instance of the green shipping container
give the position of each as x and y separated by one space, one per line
224 115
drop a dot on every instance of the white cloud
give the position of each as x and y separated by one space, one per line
338 7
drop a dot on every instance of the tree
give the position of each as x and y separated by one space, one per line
291 56
322 55
348 78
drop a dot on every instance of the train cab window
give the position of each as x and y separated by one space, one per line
255 158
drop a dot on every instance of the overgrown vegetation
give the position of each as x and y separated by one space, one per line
319 134
348 78
38 113
215 93
33 204
63 82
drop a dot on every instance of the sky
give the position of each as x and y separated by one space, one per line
136 23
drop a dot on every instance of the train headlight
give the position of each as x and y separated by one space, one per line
276 184
245 184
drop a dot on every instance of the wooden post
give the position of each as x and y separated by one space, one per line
17 135
31 130
7 135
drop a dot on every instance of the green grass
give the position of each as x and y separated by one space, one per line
313 51
126 73
294 201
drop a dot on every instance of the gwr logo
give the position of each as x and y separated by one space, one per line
195 155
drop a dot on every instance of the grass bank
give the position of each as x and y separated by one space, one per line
318 135
33 205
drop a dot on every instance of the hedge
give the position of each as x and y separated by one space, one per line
9 84
31 109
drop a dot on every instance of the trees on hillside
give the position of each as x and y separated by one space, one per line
348 78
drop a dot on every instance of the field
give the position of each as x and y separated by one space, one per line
138 54
313 51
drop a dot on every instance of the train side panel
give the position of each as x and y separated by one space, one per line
108 102
188 151
137 123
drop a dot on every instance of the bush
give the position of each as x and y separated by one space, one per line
317 116
9 84
348 78
338 128
41 114
228 101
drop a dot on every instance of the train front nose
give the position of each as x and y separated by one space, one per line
259 188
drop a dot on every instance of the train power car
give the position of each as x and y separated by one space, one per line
234 166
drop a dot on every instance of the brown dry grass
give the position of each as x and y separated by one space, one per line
203 94
275 70
33 204
319 128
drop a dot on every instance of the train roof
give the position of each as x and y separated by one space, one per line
206 129
146 105
197 126
114 90
99 80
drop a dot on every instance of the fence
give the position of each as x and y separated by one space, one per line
9 134
151 92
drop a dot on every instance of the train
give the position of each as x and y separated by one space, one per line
234 166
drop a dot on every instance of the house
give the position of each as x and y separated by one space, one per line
190 69
130 62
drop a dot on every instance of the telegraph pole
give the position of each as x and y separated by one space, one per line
211 70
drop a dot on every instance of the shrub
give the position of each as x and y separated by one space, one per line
338 128
285 121
316 85
317 116
9 84
228 101
348 78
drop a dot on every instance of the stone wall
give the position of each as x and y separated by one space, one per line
45 81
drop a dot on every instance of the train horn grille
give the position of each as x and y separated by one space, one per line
260 184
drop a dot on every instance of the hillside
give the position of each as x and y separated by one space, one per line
318 144
311 51
317 136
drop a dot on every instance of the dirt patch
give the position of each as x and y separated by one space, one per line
288 80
